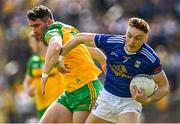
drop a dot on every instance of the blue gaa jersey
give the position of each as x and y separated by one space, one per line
121 66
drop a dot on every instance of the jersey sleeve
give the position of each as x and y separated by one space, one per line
156 67
107 42
53 30
101 40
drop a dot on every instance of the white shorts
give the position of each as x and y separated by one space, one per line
109 106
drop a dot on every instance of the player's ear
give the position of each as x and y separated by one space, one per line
146 38
49 21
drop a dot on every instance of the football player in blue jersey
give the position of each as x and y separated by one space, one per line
127 56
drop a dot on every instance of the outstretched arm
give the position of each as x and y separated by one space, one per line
81 38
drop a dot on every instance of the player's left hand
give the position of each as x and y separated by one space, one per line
139 95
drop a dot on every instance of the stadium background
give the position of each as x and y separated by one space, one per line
105 16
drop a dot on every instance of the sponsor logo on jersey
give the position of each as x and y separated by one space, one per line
114 54
120 70
78 80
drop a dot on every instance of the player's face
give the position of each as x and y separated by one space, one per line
134 39
38 27
35 45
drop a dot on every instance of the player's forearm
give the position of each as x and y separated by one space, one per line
82 38
162 91
31 91
50 62
159 94
28 85
52 55
71 44
99 56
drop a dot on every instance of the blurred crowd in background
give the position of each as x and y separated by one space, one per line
104 16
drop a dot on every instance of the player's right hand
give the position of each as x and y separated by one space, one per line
139 95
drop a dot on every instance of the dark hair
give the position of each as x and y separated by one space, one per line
139 24
40 12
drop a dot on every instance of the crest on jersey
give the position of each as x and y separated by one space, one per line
137 64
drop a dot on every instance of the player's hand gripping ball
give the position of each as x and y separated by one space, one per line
144 81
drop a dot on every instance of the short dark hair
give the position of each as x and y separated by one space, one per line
40 12
139 24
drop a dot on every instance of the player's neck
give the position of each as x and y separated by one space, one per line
129 53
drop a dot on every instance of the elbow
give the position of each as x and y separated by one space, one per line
55 48
167 89
164 89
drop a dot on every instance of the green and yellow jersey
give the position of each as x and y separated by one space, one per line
82 67
53 87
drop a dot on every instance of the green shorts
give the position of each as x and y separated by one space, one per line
81 99
41 112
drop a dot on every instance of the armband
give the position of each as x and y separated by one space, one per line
61 58
44 75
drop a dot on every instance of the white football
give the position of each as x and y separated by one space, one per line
144 81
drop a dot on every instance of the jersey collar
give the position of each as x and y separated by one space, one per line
129 53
